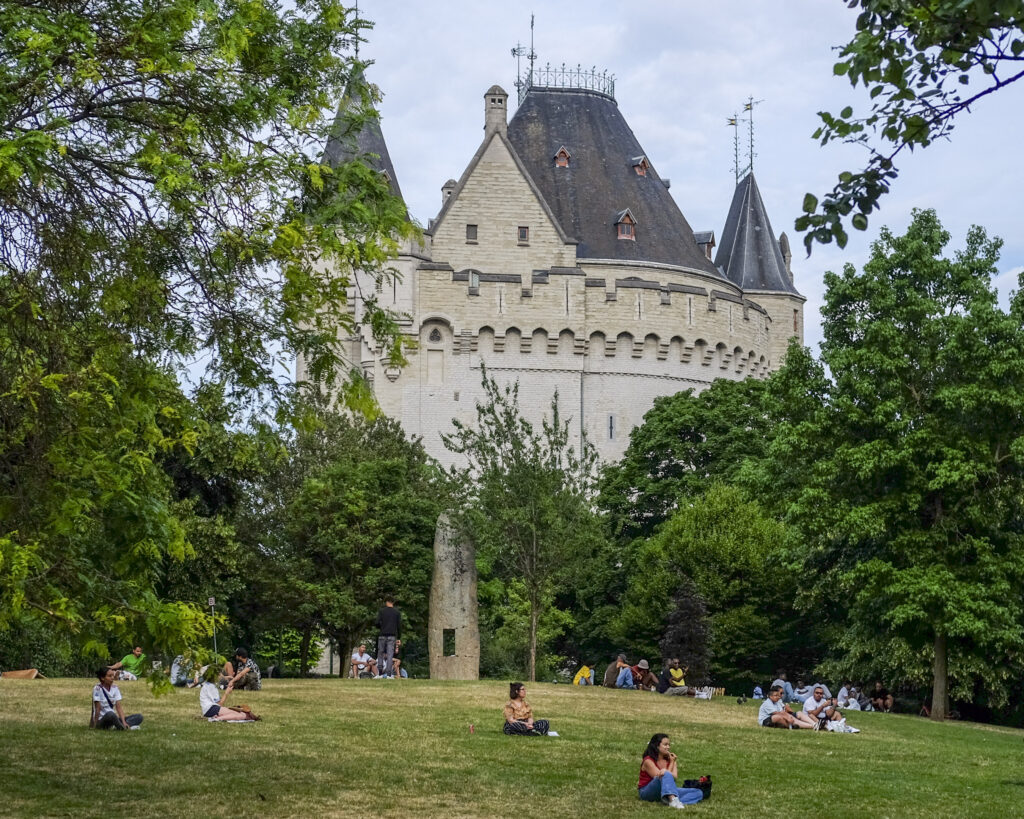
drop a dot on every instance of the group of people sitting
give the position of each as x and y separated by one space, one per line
817 712
850 697
638 677
363 665
240 673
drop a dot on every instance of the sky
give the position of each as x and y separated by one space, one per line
682 67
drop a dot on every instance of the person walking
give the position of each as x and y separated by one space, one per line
389 623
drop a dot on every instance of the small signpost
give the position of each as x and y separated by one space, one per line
212 603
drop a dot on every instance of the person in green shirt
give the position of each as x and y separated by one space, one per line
131 665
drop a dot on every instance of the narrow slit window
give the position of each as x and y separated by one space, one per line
611 427
470 233
524 235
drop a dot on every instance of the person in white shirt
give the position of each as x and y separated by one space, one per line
107 711
363 663
820 709
212 702
773 713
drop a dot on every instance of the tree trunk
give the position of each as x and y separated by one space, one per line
307 633
533 639
940 686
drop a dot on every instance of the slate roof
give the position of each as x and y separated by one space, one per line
345 144
748 253
600 181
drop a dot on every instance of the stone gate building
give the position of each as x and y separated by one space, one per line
559 259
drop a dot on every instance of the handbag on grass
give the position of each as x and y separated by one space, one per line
703 784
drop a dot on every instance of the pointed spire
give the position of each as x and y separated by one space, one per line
347 142
748 254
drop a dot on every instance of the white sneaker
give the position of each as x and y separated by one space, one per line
674 802
134 727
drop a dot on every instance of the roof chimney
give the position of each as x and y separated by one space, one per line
446 190
496 110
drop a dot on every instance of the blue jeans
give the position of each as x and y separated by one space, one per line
664 786
385 655
625 679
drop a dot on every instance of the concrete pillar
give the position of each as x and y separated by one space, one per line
453 607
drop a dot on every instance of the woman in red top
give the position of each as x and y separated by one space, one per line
658 776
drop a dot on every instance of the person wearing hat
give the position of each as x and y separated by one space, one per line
643 678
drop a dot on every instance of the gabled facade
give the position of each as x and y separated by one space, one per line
559 259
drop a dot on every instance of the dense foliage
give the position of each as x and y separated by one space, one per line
925 64
162 211
525 502
902 466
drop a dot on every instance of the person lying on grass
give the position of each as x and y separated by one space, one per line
658 773
212 704
106 703
773 713
519 715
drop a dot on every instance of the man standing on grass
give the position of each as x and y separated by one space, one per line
389 621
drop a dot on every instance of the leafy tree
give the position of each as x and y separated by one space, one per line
734 554
356 527
525 500
687 634
904 469
685 443
925 63
161 200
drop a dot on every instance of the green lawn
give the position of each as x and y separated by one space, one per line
334 747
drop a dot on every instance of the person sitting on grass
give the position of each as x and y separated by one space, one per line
131 665
363 665
672 680
821 709
212 704
585 676
614 673
774 713
658 773
881 699
758 693
643 678
801 692
519 715
106 703
241 673
787 689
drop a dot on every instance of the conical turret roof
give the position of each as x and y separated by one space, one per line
601 180
347 142
748 253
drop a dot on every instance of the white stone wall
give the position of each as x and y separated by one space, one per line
609 337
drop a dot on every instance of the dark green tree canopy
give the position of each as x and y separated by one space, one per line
925 63
685 444
904 471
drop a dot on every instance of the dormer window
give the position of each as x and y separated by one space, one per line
625 225
640 165
562 158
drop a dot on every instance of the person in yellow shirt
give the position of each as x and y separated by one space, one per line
585 676
672 680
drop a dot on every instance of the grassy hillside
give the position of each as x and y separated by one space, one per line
342 747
